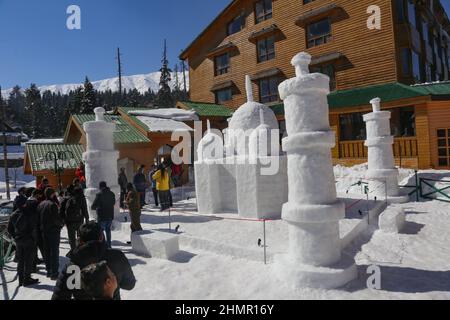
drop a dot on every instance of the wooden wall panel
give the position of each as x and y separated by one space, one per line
423 136
370 53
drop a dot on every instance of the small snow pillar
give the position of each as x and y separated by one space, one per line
312 211
382 173
100 158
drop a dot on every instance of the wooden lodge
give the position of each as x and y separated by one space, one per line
138 143
259 38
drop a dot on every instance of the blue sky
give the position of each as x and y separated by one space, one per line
36 46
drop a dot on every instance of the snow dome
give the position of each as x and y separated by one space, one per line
247 117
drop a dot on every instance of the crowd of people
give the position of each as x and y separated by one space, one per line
160 180
41 213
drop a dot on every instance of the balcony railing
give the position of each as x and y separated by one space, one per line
403 148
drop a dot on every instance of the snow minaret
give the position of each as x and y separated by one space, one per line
382 173
312 212
100 158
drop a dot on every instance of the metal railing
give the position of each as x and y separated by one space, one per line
403 148
6 248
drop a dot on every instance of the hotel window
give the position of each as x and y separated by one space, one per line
268 90
403 122
410 64
412 13
263 10
236 25
307 1
416 66
328 70
266 49
443 136
222 64
223 95
425 30
318 33
352 127
400 6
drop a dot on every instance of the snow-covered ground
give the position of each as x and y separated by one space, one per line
414 264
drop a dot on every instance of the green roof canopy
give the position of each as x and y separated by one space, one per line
208 109
37 155
125 132
387 92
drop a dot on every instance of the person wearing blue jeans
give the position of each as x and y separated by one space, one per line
104 204
105 225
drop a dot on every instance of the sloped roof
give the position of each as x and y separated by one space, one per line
125 132
435 89
36 154
361 96
387 92
204 109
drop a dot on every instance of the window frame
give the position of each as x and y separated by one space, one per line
218 71
268 55
217 92
266 13
326 38
241 18
271 96
445 146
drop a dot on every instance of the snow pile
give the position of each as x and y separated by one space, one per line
163 125
46 141
170 113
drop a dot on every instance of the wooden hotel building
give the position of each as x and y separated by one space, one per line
405 63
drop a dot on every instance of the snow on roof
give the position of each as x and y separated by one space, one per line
163 125
172 114
46 141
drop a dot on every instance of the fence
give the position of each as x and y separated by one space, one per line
433 188
6 248
403 148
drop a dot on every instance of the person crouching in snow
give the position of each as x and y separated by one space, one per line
99 281
162 179
133 203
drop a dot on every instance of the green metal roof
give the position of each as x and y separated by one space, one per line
387 92
361 96
37 155
208 109
435 89
125 132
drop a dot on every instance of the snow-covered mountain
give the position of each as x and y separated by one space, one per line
141 82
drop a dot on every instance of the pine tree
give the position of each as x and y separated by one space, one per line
33 111
16 101
89 101
164 98
133 98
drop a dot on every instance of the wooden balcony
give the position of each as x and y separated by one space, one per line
355 149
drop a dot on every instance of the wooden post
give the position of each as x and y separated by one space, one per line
265 247
5 147
119 63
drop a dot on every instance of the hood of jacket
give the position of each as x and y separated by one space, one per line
88 253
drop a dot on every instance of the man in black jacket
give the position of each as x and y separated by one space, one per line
74 212
93 249
50 226
104 204
22 228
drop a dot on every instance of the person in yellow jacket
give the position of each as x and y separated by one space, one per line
162 178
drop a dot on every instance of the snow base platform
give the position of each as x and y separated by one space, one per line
308 276
161 245
392 220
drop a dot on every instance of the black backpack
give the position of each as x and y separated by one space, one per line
73 210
